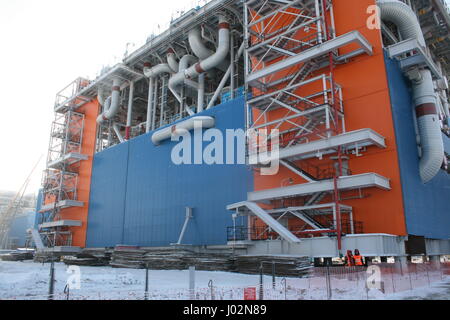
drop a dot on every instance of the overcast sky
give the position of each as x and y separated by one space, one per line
45 45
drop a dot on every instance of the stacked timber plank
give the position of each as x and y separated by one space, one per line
132 258
176 258
90 257
17 256
170 259
183 259
285 266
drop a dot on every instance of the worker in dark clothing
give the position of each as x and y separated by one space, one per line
359 259
349 259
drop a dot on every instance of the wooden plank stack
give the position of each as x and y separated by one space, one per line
90 257
176 258
285 266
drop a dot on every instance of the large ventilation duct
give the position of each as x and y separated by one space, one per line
423 90
207 64
112 104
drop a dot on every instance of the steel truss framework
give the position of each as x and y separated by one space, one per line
60 179
289 66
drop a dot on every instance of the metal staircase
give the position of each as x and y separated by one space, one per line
289 68
60 180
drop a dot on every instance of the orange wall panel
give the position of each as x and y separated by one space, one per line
367 105
91 111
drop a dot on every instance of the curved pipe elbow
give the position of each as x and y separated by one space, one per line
403 17
428 123
201 122
197 45
218 57
432 147
172 62
186 61
157 70
112 104
432 143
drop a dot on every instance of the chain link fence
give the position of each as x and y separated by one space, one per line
377 281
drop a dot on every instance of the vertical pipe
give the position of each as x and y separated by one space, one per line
130 112
232 66
155 104
150 105
246 69
163 100
201 93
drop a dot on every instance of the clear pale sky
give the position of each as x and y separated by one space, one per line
45 45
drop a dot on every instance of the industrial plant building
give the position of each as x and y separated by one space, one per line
353 108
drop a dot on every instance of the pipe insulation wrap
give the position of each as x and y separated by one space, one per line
429 127
202 122
218 57
157 70
404 18
178 79
197 45
205 65
424 95
172 62
112 104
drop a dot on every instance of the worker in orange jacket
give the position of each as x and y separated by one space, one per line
349 259
359 259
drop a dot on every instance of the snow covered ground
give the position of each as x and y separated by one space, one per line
28 280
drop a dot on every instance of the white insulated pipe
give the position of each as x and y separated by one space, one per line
218 57
424 95
429 126
157 70
201 93
197 45
172 61
202 122
225 78
118 134
101 97
178 79
110 110
152 74
207 64
404 18
130 111
148 124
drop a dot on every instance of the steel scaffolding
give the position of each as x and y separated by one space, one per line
60 179
292 49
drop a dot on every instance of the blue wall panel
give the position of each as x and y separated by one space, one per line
158 191
107 198
19 227
427 207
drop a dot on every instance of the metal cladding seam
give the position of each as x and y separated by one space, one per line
423 90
